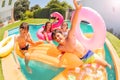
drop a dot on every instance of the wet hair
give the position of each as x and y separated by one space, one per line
24 25
54 32
46 26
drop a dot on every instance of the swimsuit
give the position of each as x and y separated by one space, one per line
26 47
88 57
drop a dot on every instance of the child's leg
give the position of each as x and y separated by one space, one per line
101 61
16 60
27 58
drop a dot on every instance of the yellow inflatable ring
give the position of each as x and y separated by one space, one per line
6 46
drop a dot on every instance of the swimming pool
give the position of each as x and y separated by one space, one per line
40 70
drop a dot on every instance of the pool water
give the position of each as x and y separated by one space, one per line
108 58
41 71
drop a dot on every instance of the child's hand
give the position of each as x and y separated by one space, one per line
78 7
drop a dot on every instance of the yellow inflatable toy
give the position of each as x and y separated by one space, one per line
6 46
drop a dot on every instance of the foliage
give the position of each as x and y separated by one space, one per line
53 2
52 6
1 75
58 3
20 7
36 13
1 20
36 7
22 16
60 10
44 13
10 2
3 3
28 14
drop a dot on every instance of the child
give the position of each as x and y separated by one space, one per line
24 41
72 45
64 28
47 30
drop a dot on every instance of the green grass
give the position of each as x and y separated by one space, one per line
115 42
1 75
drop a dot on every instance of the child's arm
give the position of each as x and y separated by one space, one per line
39 42
29 40
46 37
75 19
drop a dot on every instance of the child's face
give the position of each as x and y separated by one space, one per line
48 26
64 26
23 31
59 38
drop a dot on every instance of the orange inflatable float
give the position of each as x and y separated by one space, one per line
91 71
74 67
48 53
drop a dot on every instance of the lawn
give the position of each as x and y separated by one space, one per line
115 42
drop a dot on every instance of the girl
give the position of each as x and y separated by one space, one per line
47 30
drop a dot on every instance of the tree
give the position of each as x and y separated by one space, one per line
28 14
56 5
36 7
65 5
20 7
52 2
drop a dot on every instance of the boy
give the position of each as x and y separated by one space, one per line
72 45
24 41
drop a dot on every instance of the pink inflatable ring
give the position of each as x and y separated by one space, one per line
41 36
98 25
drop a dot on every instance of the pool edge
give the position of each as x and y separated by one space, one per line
115 58
9 67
